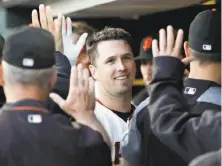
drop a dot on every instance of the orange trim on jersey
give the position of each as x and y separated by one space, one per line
28 108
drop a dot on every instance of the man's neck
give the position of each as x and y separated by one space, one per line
117 103
19 93
208 72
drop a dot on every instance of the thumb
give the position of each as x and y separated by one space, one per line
57 99
187 60
80 43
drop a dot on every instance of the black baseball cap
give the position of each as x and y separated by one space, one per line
31 48
205 32
146 49
2 42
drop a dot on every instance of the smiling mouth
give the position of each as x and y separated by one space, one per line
121 77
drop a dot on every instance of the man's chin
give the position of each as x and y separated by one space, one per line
125 89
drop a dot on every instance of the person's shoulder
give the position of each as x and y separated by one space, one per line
142 116
141 96
141 107
83 136
88 136
92 146
211 95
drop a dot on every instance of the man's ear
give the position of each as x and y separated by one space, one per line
93 72
53 80
186 49
2 82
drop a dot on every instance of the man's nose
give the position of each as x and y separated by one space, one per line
121 66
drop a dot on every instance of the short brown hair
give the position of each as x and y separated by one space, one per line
205 58
104 35
80 27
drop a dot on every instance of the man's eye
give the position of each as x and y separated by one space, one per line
110 61
126 58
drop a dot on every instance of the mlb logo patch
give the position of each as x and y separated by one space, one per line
28 62
190 90
207 47
34 118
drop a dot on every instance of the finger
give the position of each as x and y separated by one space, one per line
80 43
63 26
57 99
81 81
187 60
58 34
73 79
91 85
86 78
49 18
55 24
35 19
155 48
43 19
170 39
178 43
162 40
59 26
69 27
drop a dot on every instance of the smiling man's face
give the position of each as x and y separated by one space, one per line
115 68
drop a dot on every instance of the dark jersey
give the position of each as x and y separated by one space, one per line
142 146
32 136
141 96
186 131
195 88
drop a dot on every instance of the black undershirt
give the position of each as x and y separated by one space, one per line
123 115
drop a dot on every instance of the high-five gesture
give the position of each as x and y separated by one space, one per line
80 102
45 21
168 45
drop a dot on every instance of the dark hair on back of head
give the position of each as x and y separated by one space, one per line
205 58
104 35
80 27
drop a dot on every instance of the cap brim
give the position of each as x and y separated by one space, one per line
149 58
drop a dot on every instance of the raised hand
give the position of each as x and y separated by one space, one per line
71 50
45 21
80 102
168 45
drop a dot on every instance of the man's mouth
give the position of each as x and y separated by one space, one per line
121 77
